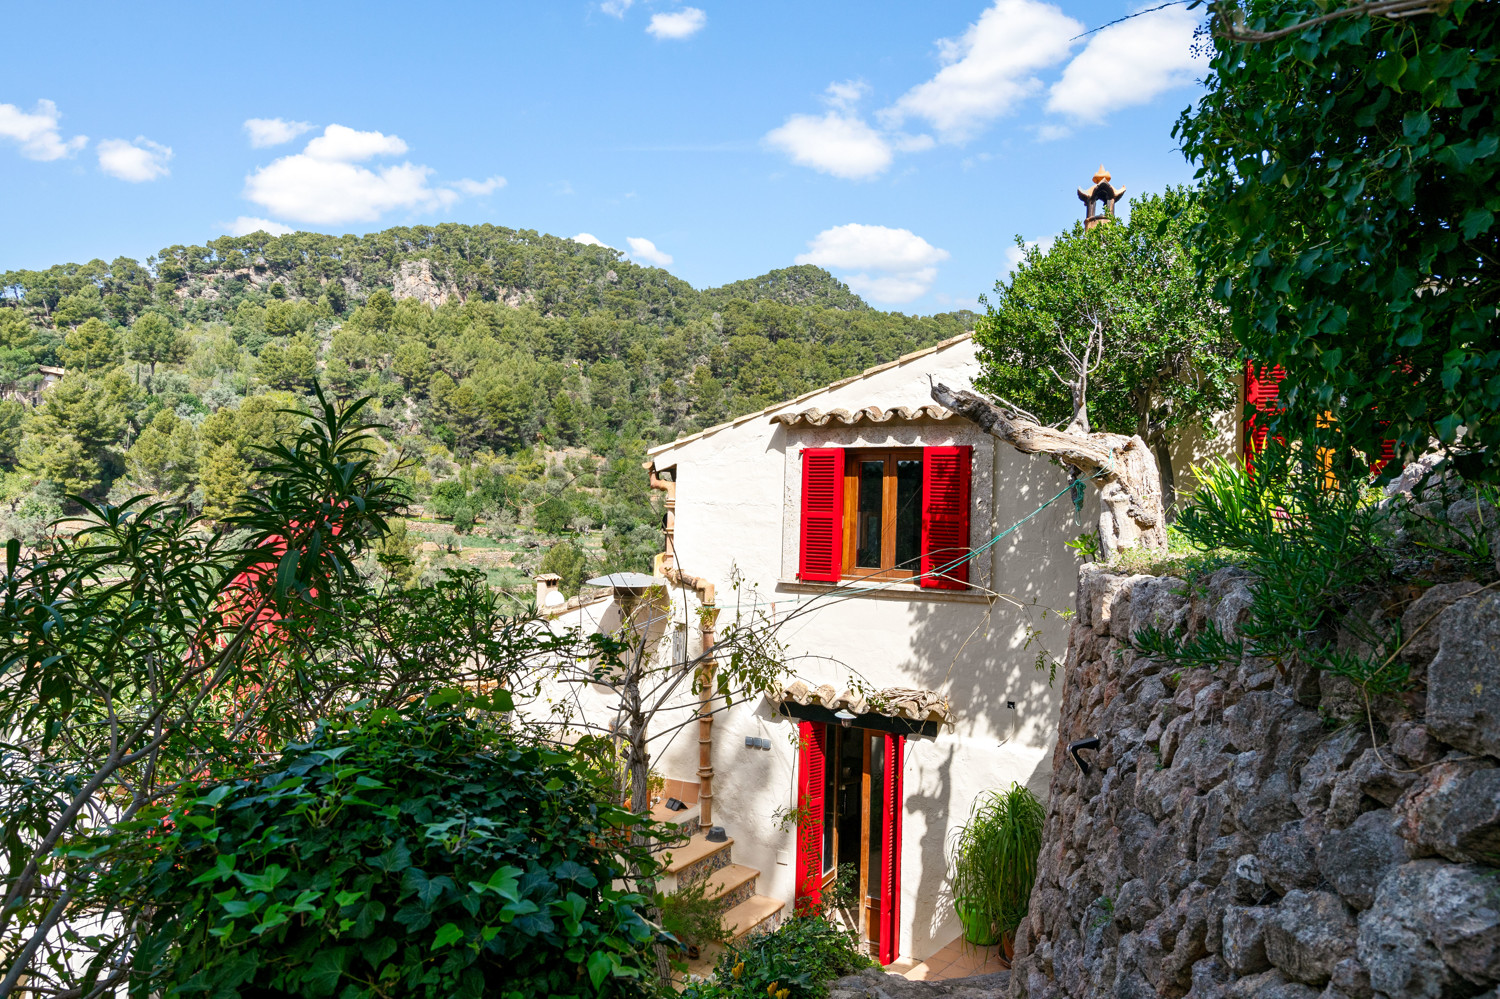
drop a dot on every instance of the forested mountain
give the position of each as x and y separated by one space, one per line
483 347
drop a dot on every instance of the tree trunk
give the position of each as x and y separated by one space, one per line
1168 479
639 762
1122 468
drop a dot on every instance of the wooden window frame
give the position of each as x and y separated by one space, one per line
853 458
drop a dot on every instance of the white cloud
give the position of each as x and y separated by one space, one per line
893 265
846 94
37 132
679 24
616 8
837 143
1052 131
345 145
1128 63
273 131
645 251
325 185
246 224
478 188
989 69
136 161
589 239
875 247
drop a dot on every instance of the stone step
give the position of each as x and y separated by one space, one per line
757 914
731 885
685 820
693 862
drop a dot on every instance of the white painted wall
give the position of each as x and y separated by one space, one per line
738 495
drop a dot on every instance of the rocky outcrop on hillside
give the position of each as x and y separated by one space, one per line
1246 831
414 280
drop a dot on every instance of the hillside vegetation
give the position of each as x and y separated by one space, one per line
519 375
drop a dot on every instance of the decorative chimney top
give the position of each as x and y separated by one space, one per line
1102 193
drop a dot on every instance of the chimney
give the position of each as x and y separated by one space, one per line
547 593
1104 194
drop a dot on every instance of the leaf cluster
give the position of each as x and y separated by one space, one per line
796 960
1168 359
995 858
1351 168
412 852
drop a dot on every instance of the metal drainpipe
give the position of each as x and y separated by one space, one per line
709 616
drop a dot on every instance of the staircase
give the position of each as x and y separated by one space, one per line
744 912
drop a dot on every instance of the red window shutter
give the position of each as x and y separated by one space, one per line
1262 386
822 543
890 849
812 750
945 517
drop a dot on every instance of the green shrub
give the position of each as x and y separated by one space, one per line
693 918
994 863
1314 543
419 853
797 960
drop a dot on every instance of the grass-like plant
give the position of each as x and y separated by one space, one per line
994 862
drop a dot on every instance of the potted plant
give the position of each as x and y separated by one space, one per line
994 865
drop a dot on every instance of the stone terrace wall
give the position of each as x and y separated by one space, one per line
1234 839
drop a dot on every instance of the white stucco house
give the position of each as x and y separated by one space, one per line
915 574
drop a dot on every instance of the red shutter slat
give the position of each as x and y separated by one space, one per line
945 517
822 543
812 750
1262 387
890 886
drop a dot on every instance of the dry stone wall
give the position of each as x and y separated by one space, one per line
1238 835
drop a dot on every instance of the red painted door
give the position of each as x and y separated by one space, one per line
812 759
888 944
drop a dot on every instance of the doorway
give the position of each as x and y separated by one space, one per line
849 796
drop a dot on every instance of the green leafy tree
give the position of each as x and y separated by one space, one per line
1162 358
569 562
74 439
287 367
164 458
153 340
91 346
1351 162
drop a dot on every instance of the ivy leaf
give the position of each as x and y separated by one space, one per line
601 964
325 971
447 935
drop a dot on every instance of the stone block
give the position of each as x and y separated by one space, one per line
1269 985
1333 756
1244 881
1289 855
1371 777
1350 980
1243 941
1308 934
1420 625
1463 683
1355 859
1155 602
1433 931
1459 816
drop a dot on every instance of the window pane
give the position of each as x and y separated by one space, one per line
871 498
831 763
909 514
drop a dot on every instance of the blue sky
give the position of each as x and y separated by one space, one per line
901 145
